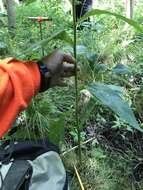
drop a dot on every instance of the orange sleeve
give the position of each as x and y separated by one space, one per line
19 82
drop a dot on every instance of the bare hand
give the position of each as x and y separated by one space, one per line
59 65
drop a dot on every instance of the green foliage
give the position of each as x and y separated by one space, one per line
104 171
108 52
121 69
62 35
3 15
100 12
27 2
56 131
110 96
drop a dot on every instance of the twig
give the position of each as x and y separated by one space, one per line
75 147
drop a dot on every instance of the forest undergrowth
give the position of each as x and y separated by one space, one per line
110 56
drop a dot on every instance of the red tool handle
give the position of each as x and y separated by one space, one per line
39 19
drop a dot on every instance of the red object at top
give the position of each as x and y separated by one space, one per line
39 19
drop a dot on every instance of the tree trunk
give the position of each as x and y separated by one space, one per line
11 14
129 8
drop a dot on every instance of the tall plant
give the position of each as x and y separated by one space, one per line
101 91
76 78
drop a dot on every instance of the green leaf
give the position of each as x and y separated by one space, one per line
3 15
118 16
92 57
62 35
117 89
27 2
101 67
121 69
81 49
110 97
56 131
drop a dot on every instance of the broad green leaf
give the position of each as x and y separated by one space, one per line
117 89
62 35
121 69
109 96
118 16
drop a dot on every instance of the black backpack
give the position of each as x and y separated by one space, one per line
31 165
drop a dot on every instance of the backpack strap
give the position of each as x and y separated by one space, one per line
18 176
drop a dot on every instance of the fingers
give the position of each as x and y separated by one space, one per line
68 58
68 67
68 70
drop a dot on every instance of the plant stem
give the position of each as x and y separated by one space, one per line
76 80
41 36
74 148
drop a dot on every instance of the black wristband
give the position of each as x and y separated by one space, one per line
45 81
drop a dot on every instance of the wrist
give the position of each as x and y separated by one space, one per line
45 76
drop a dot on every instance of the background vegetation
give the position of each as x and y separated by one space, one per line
110 85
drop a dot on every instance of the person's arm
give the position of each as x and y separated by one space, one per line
19 82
